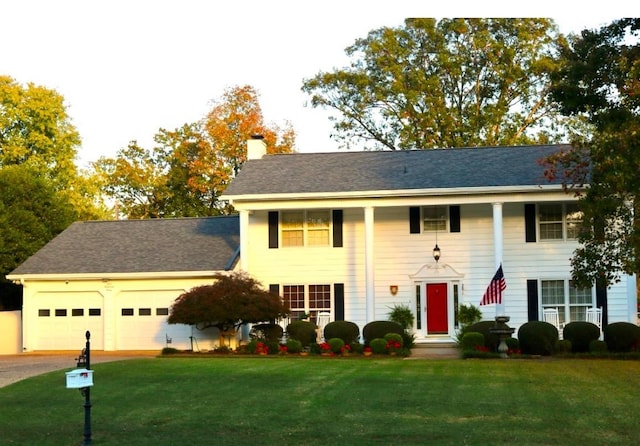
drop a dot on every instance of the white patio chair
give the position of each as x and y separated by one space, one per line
594 315
322 319
551 316
284 323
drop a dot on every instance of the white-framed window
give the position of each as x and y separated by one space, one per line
305 228
570 301
307 299
434 218
559 221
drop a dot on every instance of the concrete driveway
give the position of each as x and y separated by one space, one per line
14 368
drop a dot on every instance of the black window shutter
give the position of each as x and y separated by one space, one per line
601 301
454 218
338 301
274 288
530 222
532 299
337 228
414 220
273 229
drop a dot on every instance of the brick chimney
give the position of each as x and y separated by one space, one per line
256 147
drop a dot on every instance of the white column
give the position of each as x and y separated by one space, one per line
244 240
498 246
370 298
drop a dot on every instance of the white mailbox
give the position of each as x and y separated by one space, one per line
79 378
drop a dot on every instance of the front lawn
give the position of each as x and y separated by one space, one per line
333 401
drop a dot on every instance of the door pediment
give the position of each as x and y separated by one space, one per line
438 271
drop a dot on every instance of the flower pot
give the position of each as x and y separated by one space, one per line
304 353
367 353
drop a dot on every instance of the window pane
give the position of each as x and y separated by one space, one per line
77 312
574 221
127 311
580 295
94 311
162 311
44 313
292 223
293 296
144 311
552 292
435 218
550 221
61 312
320 297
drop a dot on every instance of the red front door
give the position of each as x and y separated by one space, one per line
437 320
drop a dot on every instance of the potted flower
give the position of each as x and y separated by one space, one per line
325 349
367 351
345 350
262 349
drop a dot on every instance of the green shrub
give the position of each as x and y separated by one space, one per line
471 339
622 337
377 329
537 338
335 344
408 340
303 331
267 332
346 330
597 346
357 347
169 351
394 337
274 347
512 344
484 327
294 346
251 346
402 315
563 346
378 346
468 314
580 333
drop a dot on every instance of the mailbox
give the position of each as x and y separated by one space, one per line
79 378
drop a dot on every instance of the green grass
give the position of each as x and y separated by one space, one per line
332 401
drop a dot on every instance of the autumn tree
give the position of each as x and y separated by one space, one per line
188 168
447 83
231 301
600 82
234 118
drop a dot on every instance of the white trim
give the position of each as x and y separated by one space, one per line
113 276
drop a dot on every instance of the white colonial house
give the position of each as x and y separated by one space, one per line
354 233
346 233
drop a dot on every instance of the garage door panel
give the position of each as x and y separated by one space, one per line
64 318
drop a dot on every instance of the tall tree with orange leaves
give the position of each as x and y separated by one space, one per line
235 118
189 167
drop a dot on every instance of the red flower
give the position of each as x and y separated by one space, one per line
325 347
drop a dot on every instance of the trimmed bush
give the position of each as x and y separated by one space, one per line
394 337
598 346
580 333
294 346
472 339
335 344
357 347
378 346
484 327
267 332
377 329
622 337
303 331
537 338
348 331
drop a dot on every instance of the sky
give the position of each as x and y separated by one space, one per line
127 68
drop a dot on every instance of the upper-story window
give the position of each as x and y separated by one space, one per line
305 228
435 218
559 221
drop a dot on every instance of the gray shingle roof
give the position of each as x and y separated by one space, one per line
392 170
139 246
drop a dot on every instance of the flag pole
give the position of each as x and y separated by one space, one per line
498 247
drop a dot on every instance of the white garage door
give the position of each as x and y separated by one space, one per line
64 318
142 321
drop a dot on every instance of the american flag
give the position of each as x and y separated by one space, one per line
493 295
